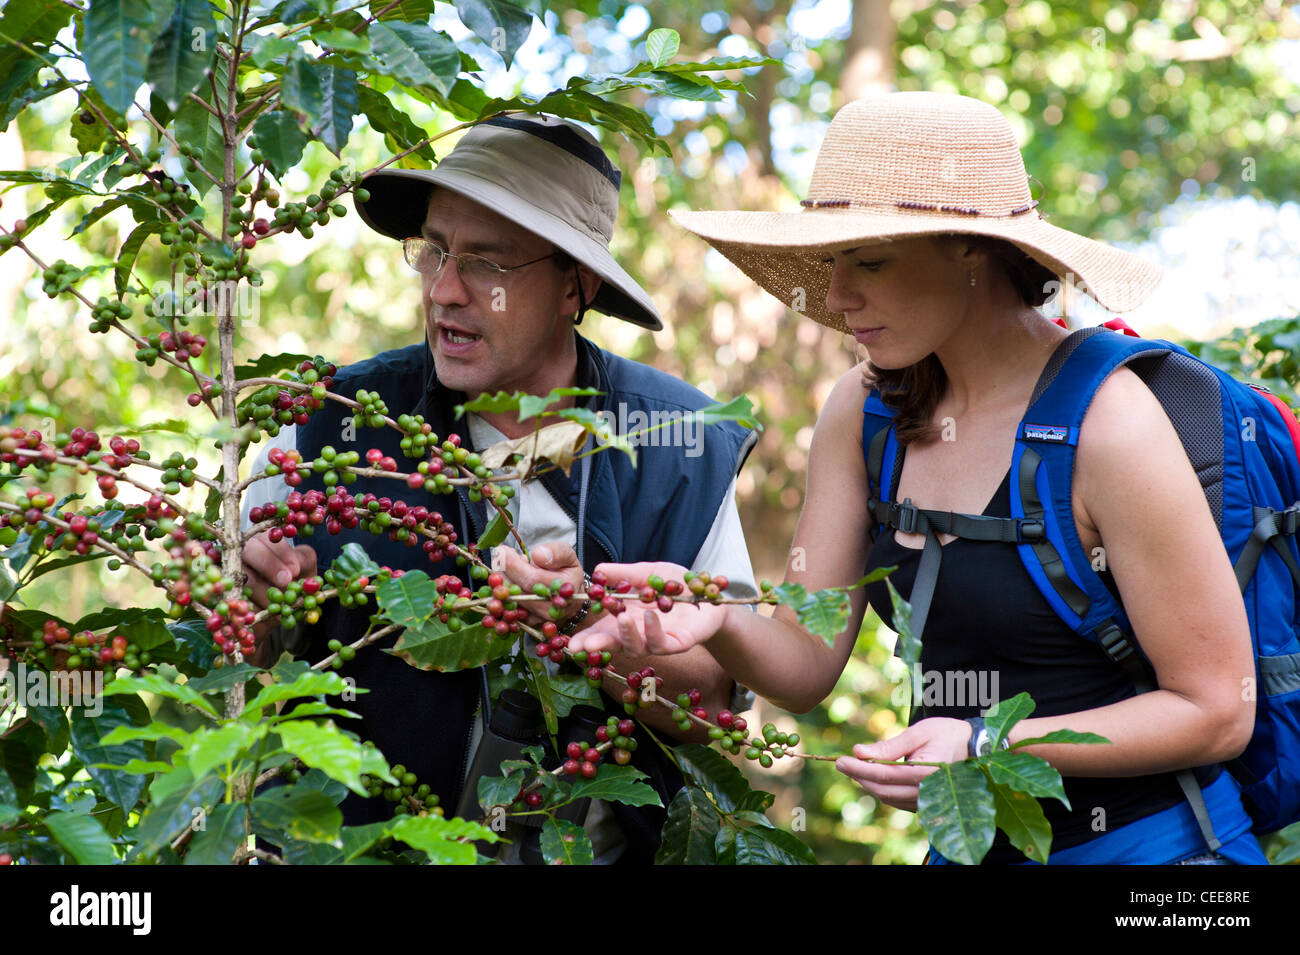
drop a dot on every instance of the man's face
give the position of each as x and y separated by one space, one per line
511 336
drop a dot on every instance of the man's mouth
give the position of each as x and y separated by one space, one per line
457 336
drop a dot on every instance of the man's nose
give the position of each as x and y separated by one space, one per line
447 287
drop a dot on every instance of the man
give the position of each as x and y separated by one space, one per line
510 235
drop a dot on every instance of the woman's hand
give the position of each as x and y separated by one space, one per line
936 740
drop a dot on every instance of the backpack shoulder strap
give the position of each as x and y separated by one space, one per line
1042 469
880 450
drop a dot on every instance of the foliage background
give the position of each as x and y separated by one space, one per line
1135 117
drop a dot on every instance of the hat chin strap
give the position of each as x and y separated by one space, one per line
583 304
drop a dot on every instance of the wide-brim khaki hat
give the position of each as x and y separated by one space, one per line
900 165
546 175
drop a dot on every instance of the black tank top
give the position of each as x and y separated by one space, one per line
990 635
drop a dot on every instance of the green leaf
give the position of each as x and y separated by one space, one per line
176 801
303 813
183 52
564 843
497 790
160 686
713 773
760 845
280 140
492 404
268 52
126 256
97 213
572 689
909 644
34 21
407 600
325 747
661 46
688 86
441 838
339 104
955 808
215 749
502 26
152 733
354 562
198 127
20 750
724 845
146 628
433 646
218 681
123 789
823 612
145 767
1020 816
300 88
313 708
54 722
755 801
414 54
539 682
312 683
1026 773
268 366
220 838
9 807
83 837
720 63
359 839
400 132
407 10
690 831
114 41
1005 714
1062 736
617 784
495 532
48 565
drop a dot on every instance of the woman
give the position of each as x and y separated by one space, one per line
922 241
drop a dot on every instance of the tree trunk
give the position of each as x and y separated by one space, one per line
869 51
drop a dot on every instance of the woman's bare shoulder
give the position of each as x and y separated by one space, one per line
843 409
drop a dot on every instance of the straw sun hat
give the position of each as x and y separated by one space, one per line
911 164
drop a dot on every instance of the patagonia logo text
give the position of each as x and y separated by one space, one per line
1047 432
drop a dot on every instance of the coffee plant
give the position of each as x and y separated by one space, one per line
147 734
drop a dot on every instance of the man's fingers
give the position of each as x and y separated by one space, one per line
555 556
275 565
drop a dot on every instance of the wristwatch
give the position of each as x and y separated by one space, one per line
981 741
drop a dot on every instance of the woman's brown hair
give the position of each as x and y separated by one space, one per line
913 392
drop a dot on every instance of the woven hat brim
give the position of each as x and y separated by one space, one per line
785 252
399 202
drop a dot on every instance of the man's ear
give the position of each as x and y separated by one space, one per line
590 282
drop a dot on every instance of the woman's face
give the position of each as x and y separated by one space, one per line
902 299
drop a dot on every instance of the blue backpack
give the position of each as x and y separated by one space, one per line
1244 444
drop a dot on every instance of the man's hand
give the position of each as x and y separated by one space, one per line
273 565
550 561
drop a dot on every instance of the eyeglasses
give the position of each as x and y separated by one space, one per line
429 258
